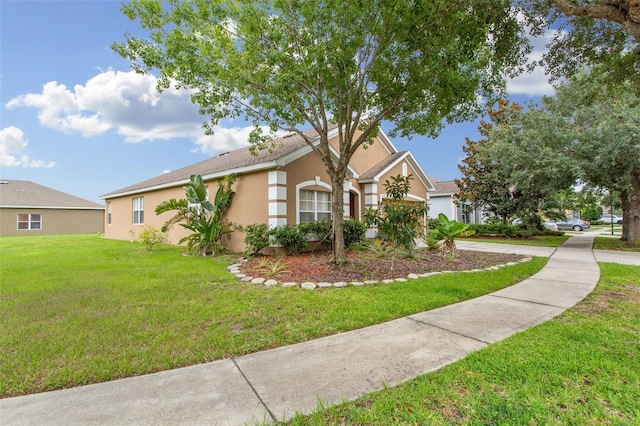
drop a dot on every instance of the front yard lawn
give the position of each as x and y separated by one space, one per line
81 309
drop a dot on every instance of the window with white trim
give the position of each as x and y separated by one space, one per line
109 213
138 210
314 206
28 222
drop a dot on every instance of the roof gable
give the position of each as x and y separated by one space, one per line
375 173
26 194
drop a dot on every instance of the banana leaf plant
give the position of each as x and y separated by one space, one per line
201 216
447 231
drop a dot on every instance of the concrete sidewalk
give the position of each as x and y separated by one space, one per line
273 385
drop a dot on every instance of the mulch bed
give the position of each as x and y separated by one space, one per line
362 266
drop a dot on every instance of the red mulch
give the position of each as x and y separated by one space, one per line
362 266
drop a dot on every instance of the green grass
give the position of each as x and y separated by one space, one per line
580 368
541 241
82 309
608 243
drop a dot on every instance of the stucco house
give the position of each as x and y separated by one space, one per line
288 185
27 208
442 200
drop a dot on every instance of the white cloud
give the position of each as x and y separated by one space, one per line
129 104
535 83
224 139
12 147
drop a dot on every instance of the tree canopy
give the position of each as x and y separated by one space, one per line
587 132
604 137
587 33
515 171
295 64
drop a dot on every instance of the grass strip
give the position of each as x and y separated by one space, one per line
608 243
81 309
580 368
539 241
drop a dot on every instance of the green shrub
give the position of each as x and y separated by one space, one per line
432 243
256 238
317 231
378 248
499 229
354 232
592 213
290 237
151 236
526 233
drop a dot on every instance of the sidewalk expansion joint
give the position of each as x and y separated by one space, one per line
527 301
448 331
255 392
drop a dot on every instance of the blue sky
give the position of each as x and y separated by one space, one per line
74 116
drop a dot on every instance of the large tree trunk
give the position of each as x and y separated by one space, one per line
337 214
624 12
631 212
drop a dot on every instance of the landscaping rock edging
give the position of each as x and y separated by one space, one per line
235 270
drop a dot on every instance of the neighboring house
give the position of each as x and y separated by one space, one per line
288 185
442 200
27 208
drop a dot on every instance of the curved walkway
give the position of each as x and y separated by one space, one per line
273 385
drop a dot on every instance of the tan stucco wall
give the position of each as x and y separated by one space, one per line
54 221
122 214
364 159
249 206
304 169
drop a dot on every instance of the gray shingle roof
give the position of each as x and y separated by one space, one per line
378 168
444 187
224 162
24 193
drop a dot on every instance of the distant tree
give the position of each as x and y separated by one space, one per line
588 131
291 64
603 127
484 183
514 171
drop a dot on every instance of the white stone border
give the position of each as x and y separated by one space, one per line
235 270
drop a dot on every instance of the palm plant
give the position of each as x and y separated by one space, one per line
201 216
447 231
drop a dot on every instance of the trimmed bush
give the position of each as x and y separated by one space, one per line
502 230
317 231
354 232
290 237
508 231
256 238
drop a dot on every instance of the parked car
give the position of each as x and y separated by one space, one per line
573 224
548 225
606 218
